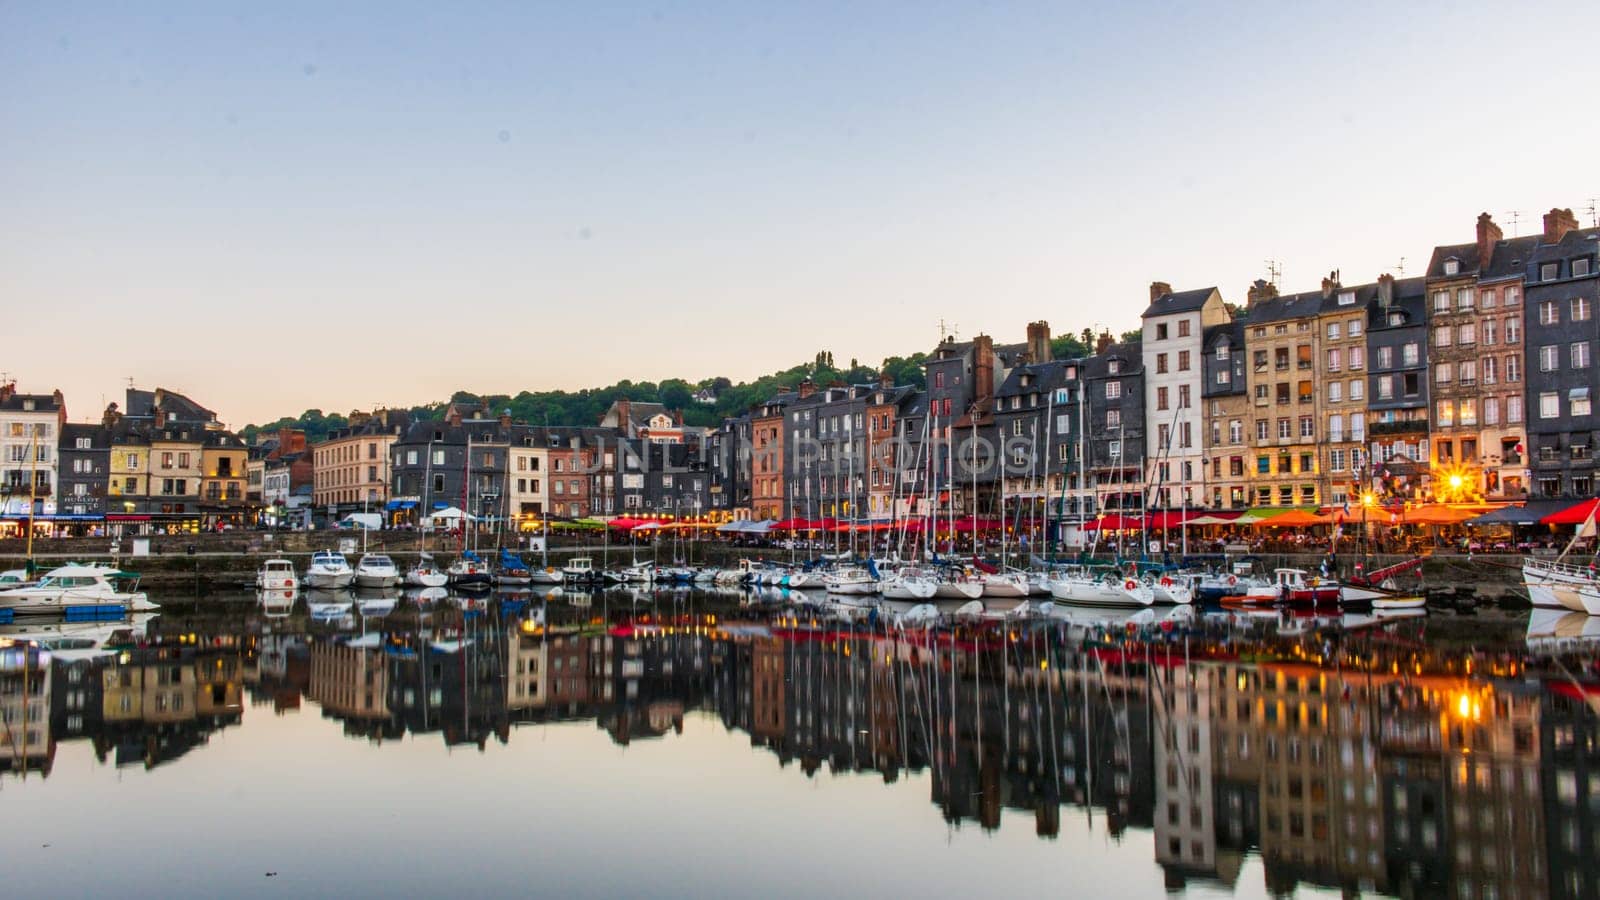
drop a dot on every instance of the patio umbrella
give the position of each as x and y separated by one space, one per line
1506 515
1577 514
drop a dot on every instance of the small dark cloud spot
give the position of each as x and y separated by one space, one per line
505 136
231 119
63 43
308 70
584 233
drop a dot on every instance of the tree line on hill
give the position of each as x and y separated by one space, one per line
585 407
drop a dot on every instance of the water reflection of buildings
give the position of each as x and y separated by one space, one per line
139 706
1371 769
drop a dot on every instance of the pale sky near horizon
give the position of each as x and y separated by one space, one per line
275 207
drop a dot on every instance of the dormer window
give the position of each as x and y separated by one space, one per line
27 405
1580 268
1222 351
1452 266
1397 319
1072 373
1114 366
1347 298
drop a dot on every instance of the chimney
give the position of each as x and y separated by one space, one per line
625 416
454 418
1488 234
357 418
112 416
1557 222
1260 290
885 380
1386 281
7 390
505 418
61 407
1330 284
807 388
1039 341
1159 289
982 368
1103 342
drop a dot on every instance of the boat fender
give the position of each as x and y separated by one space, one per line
1130 584
1166 582
1233 580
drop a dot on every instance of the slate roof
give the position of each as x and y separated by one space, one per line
42 403
1174 302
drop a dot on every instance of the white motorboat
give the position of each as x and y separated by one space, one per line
329 571
1111 589
1169 588
277 575
850 580
77 588
426 574
909 583
1554 584
470 573
375 570
546 575
14 578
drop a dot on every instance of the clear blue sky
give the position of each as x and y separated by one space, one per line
277 206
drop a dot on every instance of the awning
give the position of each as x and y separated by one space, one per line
1293 518
123 517
1216 518
1576 514
393 505
1506 515
1113 522
1435 514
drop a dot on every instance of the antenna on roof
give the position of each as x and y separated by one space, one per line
941 331
1515 217
1274 272
1401 267
1594 212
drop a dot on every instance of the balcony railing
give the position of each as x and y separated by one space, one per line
1382 429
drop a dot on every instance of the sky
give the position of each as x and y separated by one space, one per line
274 207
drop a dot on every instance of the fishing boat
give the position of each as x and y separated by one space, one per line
329 571
513 570
1589 596
77 590
1555 584
580 568
1290 587
277 575
375 570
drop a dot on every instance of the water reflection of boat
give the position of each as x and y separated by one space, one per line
80 640
427 596
277 601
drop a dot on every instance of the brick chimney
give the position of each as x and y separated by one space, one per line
505 418
7 390
982 367
1260 290
61 407
1039 341
1330 284
885 380
1103 342
1386 281
807 388
1488 234
111 417
454 418
1159 289
1557 222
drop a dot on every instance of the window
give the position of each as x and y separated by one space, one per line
1579 354
1467 333
1452 266
1467 411
1283 428
1307 428
1183 328
1161 331
1261 360
1408 354
1161 363
1235 431
1443 373
1548 314
1354 328
1385 387
1358 357
1549 405
1263 465
1335 358
1578 401
1222 351
1467 372
1464 298
1548 271
1336 427
1336 460
1113 418
1335 391
1161 397
1513 295
1580 268
1224 376
1513 369
1183 396
1491 410
1441 301
1513 330
1441 336
1513 409
1183 360
1114 366
1261 429
1061 397
1582 309
1358 389
1358 426
1113 390
1549 358
1444 412
1385 357
1488 332
1347 298
1335 331
1063 423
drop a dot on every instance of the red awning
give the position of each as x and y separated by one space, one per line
1576 514
791 525
1113 522
1172 518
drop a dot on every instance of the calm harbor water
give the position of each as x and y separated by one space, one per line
690 744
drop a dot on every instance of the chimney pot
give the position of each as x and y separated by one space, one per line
1103 343
1385 290
1159 289
1039 341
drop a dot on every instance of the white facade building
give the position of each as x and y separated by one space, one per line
30 427
1174 376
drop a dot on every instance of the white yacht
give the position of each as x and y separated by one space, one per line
909 583
850 580
1006 585
329 571
277 575
375 570
1108 590
957 584
77 587
427 574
